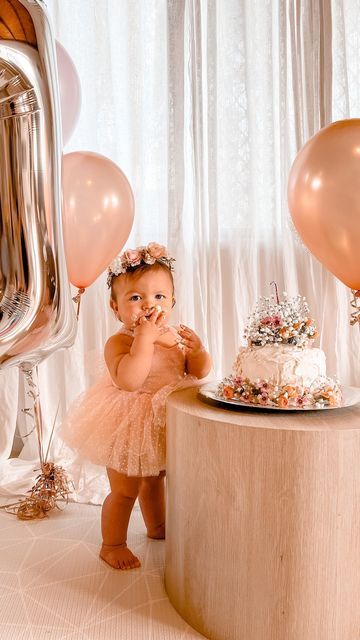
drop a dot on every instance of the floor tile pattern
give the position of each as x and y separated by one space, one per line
53 586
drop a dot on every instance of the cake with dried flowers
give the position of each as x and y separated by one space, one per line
280 367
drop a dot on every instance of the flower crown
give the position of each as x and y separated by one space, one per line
141 255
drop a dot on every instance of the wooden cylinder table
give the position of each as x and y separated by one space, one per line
263 521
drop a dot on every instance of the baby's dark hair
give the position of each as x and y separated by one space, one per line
138 270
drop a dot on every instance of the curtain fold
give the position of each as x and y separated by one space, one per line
310 30
204 105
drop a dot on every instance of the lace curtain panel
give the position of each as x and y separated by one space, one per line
204 105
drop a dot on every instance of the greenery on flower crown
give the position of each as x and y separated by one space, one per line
280 322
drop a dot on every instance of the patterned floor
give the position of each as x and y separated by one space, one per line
53 586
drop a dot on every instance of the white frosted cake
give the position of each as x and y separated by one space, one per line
280 367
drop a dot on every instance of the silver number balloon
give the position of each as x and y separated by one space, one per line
36 311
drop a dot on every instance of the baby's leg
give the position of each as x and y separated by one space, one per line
115 517
152 504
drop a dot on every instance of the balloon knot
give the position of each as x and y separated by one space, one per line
76 298
355 303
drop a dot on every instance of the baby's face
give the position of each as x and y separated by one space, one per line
138 296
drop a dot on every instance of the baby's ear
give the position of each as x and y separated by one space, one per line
114 307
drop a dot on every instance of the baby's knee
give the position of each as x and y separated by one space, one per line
152 482
123 496
122 486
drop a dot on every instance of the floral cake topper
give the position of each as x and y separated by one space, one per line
150 254
275 321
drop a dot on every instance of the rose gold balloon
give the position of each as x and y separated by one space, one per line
70 92
324 198
98 214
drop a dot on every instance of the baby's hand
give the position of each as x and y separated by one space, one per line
151 326
190 340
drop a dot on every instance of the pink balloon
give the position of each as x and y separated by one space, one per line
324 198
98 212
70 92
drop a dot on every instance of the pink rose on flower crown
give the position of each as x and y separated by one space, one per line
132 257
156 250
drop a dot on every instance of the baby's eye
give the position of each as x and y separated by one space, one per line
134 298
159 296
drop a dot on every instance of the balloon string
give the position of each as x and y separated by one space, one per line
35 411
355 303
77 300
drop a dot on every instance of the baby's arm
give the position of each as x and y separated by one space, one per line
129 364
198 361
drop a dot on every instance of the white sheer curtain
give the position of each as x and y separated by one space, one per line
203 104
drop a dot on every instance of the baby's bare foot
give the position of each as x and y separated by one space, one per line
119 556
157 532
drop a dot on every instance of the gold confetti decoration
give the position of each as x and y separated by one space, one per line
52 484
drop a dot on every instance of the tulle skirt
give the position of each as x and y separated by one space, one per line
123 430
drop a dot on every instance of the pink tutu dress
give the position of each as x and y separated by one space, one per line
125 430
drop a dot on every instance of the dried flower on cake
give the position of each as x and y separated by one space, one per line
283 322
325 392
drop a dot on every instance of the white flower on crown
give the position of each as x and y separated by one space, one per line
150 254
